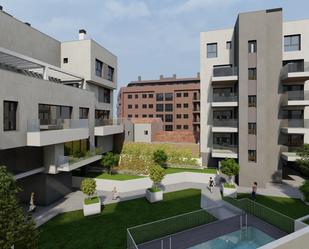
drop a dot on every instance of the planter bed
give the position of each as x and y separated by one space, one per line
92 206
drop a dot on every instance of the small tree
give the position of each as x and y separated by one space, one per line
16 228
229 167
303 162
109 161
160 157
156 174
88 187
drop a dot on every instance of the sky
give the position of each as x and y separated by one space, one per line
149 37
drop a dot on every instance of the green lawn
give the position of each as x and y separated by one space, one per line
293 208
108 230
179 170
117 177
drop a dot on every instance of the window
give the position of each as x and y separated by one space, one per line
252 128
65 60
136 96
136 115
185 94
252 101
144 106
252 155
145 132
144 96
9 115
159 107
83 113
168 107
110 73
144 115
129 106
178 127
98 68
130 116
136 106
185 105
102 114
159 96
178 95
251 47
178 116
178 105
104 95
150 106
150 96
186 116
168 118
168 127
228 45
252 74
168 96
291 43
150 115
50 114
160 116
185 127
129 96
211 50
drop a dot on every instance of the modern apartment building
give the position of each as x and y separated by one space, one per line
254 100
56 105
175 100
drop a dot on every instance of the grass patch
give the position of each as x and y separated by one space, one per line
307 221
179 170
106 176
91 200
108 229
228 185
294 208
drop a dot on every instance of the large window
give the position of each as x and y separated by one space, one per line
98 68
76 148
159 107
251 47
168 118
252 100
9 115
49 114
104 95
83 113
291 43
252 74
168 107
159 96
110 73
169 96
102 114
211 50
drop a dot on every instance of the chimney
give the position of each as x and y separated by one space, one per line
27 23
139 78
174 76
82 34
198 75
161 77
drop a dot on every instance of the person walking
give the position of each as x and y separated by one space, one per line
211 184
32 206
254 189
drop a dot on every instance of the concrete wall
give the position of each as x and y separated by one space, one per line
139 132
19 37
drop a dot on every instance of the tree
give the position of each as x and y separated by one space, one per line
229 167
305 190
160 157
303 162
16 228
110 160
156 174
88 187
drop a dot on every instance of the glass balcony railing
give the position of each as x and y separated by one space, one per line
225 122
36 125
296 67
230 147
224 71
297 95
295 123
225 97
63 160
106 122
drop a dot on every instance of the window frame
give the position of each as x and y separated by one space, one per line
214 53
11 116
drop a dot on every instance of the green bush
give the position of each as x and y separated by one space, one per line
110 160
156 174
88 187
160 157
229 167
305 190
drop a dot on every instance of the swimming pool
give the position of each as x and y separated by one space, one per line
250 238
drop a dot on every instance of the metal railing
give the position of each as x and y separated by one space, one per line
225 122
35 125
161 228
224 98
231 147
224 71
105 122
267 214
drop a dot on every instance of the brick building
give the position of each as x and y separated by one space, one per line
175 100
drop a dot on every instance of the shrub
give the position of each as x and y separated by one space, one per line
88 187
229 167
157 174
305 190
110 160
160 157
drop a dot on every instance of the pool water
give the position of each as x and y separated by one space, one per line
249 238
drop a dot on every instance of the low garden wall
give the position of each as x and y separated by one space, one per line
144 183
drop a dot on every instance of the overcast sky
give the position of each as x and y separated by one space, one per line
150 37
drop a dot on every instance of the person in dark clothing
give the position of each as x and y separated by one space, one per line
254 189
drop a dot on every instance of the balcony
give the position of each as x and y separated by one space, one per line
294 126
224 100
291 154
224 151
58 131
222 75
196 109
296 71
225 125
295 98
106 127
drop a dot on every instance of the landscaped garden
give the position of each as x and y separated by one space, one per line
108 229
